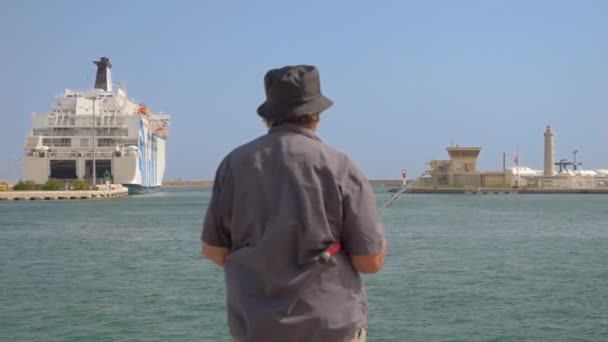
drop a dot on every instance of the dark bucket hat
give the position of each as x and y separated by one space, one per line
292 91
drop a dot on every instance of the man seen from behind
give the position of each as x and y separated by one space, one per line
293 223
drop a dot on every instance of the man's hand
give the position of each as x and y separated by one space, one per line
369 263
216 254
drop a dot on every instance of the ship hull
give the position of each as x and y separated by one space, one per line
135 189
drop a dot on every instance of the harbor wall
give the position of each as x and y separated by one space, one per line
63 195
206 184
496 191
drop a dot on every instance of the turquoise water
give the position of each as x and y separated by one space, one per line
460 268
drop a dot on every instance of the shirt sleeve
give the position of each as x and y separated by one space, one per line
215 230
362 233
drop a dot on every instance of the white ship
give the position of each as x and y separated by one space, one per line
98 135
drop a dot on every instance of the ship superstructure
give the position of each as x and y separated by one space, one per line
98 134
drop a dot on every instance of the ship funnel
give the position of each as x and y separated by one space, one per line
103 79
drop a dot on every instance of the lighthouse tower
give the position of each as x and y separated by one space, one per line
549 153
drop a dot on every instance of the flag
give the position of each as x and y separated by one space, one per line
516 160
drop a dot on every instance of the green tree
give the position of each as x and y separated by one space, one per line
80 184
53 185
25 186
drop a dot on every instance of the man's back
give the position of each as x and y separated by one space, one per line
281 201
281 207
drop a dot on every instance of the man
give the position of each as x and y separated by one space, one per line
293 222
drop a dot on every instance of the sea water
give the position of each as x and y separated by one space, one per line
459 268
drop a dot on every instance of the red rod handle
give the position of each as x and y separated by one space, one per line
333 249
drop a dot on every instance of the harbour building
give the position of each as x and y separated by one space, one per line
460 171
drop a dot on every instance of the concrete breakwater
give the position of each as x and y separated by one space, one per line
490 191
208 184
113 192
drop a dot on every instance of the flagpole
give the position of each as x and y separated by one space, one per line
517 166
504 169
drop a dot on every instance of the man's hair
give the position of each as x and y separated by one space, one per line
300 120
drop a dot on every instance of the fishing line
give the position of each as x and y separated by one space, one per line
397 194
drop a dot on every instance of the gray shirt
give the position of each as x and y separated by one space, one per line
278 202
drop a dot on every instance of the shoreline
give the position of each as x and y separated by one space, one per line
208 184
504 191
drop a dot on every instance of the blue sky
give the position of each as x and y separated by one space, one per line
407 77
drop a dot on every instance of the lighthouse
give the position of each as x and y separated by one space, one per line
549 153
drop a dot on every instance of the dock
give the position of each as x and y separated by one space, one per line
114 192
505 191
208 184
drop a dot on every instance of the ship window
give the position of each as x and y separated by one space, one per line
39 131
57 142
105 142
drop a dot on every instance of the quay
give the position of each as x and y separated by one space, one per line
113 192
208 184
505 191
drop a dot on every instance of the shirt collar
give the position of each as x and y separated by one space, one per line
289 127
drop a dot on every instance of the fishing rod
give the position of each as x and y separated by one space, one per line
397 194
326 256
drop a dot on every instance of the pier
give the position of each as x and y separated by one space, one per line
505 191
114 192
208 184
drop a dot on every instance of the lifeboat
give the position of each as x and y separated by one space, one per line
143 110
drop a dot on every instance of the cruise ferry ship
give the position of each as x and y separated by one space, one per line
98 135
